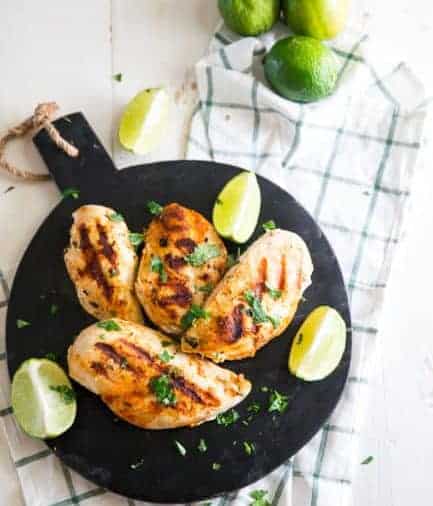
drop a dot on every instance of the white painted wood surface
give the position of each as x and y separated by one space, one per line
69 51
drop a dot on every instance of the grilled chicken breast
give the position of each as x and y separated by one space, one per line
255 301
146 380
102 264
183 259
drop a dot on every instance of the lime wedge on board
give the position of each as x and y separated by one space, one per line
318 345
144 121
43 401
237 208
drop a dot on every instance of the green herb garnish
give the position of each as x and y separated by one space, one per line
227 418
233 259
166 343
154 208
202 254
165 356
22 323
66 393
254 408
180 448
249 448
162 387
206 288
273 292
259 498
367 460
51 356
216 466
71 192
116 217
118 77
278 402
135 238
202 446
269 225
195 312
156 265
258 313
53 309
108 325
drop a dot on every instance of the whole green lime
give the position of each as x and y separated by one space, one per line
250 17
321 19
301 69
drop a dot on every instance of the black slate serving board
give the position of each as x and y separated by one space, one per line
99 446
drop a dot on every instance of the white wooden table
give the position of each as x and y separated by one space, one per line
69 51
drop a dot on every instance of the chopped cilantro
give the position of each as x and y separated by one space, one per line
156 265
116 217
216 466
258 313
71 192
108 325
66 393
249 448
163 389
136 239
269 225
207 288
274 292
22 323
180 448
118 77
137 464
53 309
51 356
202 254
278 402
202 446
259 498
195 312
368 460
227 418
154 208
165 356
254 408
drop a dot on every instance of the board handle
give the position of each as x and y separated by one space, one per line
91 171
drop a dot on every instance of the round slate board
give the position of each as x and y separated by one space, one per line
103 448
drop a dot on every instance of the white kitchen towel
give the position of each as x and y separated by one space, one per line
349 160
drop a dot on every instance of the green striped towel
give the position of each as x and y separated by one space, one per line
349 160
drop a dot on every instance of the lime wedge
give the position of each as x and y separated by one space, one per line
43 401
144 121
236 210
318 345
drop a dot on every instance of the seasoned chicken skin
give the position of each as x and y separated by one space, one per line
171 277
255 301
143 377
102 264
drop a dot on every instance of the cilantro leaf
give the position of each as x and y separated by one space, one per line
154 208
118 77
216 466
259 498
116 217
156 265
249 448
227 418
273 292
207 288
202 446
202 253
258 313
368 460
180 448
135 238
51 356
162 387
22 323
71 192
278 402
108 325
269 225
66 393
165 356
195 312
254 408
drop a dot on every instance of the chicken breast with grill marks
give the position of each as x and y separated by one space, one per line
255 301
182 260
102 264
146 380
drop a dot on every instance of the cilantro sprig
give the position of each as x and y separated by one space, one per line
108 325
157 266
195 313
228 418
162 387
258 313
154 208
202 253
65 392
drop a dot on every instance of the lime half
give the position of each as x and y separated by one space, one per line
318 345
236 210
144 121
43 401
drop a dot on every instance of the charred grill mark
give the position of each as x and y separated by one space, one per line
179 382
263 275
110 352
283 274
106 248
173 218
205 276
186 244
93 267
174 262
99 368
231 326
181 296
